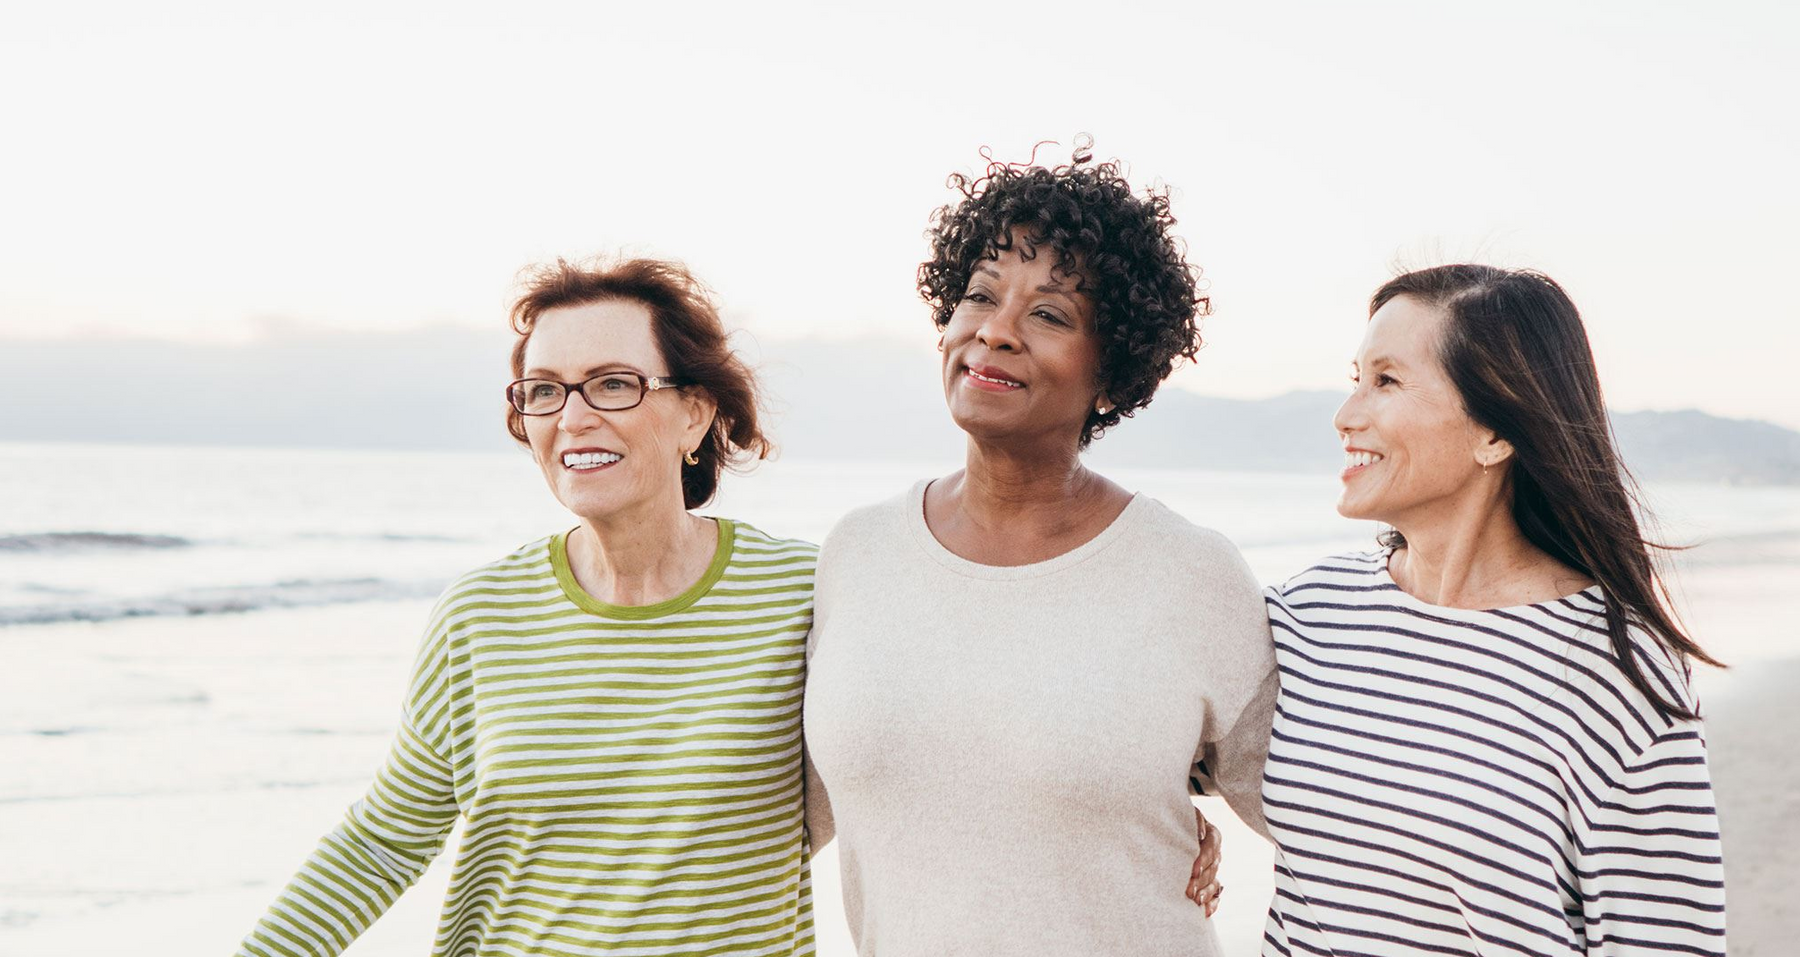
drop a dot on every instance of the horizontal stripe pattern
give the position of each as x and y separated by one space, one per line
1481 782
631 781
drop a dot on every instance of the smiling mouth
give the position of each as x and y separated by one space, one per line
1355 462
589 461
991 380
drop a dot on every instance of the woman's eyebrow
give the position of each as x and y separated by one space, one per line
539 372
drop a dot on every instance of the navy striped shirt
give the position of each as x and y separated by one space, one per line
1448 781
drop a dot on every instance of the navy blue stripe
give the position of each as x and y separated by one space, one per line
1429 639
1652 946
1393 939
1600 872
1489 786
1464 904
1511 729
1438 819
1551 891
1686 925
1591 799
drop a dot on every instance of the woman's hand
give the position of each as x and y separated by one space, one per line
1202 887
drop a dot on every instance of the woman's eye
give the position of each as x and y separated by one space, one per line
543 390
977 296
1384 379
1050 317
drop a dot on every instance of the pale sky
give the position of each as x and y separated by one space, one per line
196 171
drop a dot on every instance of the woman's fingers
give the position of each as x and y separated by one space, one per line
1205 894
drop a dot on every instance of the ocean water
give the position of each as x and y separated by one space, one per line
105 533
96 534
202 651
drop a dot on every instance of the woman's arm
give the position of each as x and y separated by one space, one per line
384 842
820 828
1649 867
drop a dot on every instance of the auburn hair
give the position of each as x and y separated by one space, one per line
689 335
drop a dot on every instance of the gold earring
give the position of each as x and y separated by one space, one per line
1100 406
689 459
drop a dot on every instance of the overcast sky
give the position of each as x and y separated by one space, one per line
192 171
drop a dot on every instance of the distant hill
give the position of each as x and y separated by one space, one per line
861 399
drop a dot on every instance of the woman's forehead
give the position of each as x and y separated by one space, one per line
594 335
1402 330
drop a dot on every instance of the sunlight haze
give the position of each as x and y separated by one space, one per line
209 172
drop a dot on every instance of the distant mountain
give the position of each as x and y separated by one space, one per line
855 399
844 399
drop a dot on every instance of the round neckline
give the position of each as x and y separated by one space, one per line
1387 578
928 542
565 576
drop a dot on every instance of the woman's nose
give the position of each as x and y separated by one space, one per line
576 415
999 330
1349 416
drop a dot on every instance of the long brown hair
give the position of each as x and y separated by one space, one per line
688 334
1516 349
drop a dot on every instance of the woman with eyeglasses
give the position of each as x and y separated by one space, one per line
615 709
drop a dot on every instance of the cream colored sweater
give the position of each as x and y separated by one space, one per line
1007 750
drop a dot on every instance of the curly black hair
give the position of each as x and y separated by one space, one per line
1117 245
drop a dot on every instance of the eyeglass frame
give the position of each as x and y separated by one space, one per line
646 385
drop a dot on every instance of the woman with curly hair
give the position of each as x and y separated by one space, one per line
1014 667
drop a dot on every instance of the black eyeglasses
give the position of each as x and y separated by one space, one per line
606 392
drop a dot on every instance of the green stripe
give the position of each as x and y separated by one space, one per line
643 748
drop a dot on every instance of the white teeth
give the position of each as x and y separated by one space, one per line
589 459
976 375
1358 459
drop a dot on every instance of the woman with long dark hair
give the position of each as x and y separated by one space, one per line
1485 740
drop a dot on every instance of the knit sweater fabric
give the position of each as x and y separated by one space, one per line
1007 750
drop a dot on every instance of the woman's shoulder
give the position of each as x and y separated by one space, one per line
1351 571
1178 533
528 561
1340 569
748 538
877 521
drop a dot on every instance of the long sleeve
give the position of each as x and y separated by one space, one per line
1231 766
385 841
1650 871
1229 762
820 828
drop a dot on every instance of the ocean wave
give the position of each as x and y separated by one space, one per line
236 599
87 541
378 537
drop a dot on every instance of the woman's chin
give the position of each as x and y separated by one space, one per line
983 427
1354 510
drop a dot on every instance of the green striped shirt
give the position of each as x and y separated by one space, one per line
630 776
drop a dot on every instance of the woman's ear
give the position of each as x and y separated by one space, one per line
1493 450
701 408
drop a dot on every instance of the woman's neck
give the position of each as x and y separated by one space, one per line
1008 507
1005 485
641 558
1478 558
